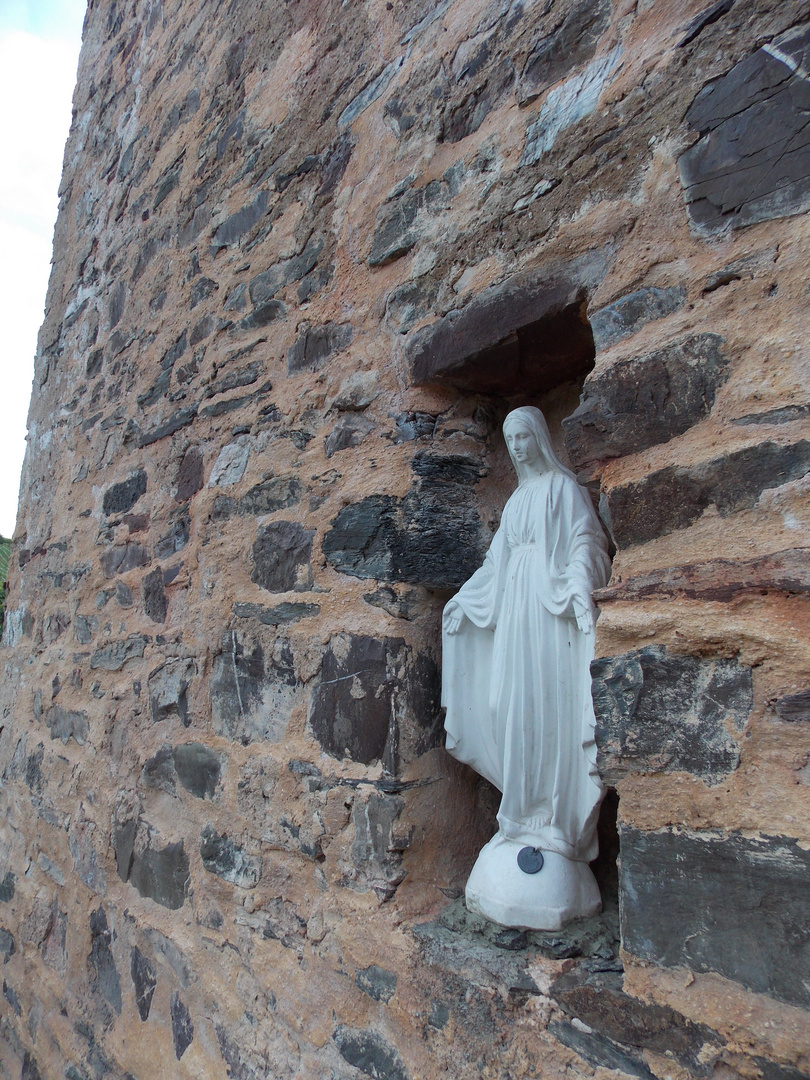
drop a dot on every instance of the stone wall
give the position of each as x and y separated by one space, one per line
308 255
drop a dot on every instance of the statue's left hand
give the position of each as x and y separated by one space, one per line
583 611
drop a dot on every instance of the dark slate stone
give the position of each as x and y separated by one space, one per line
662 712
369 695
281 557
65 724
304 168
315 344
120 498
7 887
227 405
263 315
335 162
432 537
733 904
439 1015
794 707
198 769
234 378
599 1051
752 160
626 316
234 228
221 856
370 1053
201 290
349 431
201 330
570 44
314 282
787 414
527 332
10 994
597 1000
464 117
252 690
94 362
123 594
161 384
182 418
155 603
704 19
263 288
7 947
278 615
168 689
377 983
396 231
161 875
674 497
112 657
118 297
103 972
641 402
277 494
182 1026
30 1069
158 771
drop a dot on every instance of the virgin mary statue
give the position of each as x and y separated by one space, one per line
518 639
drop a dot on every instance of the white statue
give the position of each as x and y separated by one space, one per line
518 639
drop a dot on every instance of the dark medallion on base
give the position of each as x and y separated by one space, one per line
530 860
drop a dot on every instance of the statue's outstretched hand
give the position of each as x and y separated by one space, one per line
583 611
453 618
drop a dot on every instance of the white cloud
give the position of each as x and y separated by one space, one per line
36 88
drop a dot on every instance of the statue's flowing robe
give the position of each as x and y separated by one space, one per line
516 677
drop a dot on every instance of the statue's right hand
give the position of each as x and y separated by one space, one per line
453 618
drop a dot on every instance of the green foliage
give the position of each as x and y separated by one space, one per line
5 552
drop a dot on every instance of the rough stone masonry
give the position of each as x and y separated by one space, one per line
308 255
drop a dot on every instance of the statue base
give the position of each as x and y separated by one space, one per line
560 891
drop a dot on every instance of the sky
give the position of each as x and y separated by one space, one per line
39 52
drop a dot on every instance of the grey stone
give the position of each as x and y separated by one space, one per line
263 314
369 94
65 724
229 468
464 117
202 288
335 162
182 1027
527 331
567 104
411 302
123 594
227 860
198 769
277 494
202 329
159 772
281 556
30 1070
86 861
315 344
168 689
674 497
123 557
161 874
155 603
572 42
641 402
704 19
253 687
752 160
144 980
161 385
234 228
357 391
121 497
735 905
7 883
7 947
264 287
349 431
662 712
173 540
398 228
104 974
233 378
11 997
626 316
278 615
377 983
369 1052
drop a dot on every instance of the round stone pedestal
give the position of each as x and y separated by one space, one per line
561 891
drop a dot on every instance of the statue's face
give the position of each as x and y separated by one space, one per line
522 443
